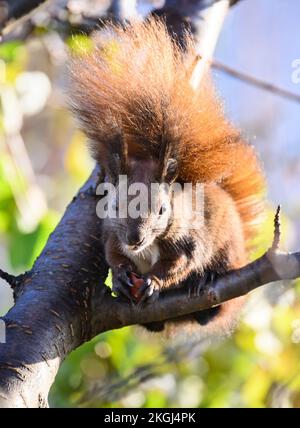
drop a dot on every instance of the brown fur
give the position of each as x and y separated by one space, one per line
140 84
132 96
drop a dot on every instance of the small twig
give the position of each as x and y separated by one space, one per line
255 82
10 279
277 230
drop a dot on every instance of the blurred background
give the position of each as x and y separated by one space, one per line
43 161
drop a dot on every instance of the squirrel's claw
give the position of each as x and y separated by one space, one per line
134 287
121 282
149 291
199 284
121 290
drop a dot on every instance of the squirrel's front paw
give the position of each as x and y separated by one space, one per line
121 281
133 286
148 289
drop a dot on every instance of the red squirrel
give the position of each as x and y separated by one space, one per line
132 96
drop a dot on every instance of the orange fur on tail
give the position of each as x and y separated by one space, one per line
136 81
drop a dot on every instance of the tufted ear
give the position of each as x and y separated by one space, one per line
171 171
114 168
168 165
116 156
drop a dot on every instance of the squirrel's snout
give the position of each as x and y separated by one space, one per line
134 238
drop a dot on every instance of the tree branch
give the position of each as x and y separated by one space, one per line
254 81
10 279
53 309
14 9
272 266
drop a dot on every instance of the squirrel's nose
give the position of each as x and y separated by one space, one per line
133 237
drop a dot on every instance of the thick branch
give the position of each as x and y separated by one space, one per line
53 310
272 266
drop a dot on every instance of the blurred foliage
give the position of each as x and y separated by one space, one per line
43 159
80 44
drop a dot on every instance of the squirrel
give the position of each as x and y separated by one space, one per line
132 96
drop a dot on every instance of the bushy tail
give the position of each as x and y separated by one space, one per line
135 82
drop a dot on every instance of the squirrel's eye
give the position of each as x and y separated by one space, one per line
163 209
